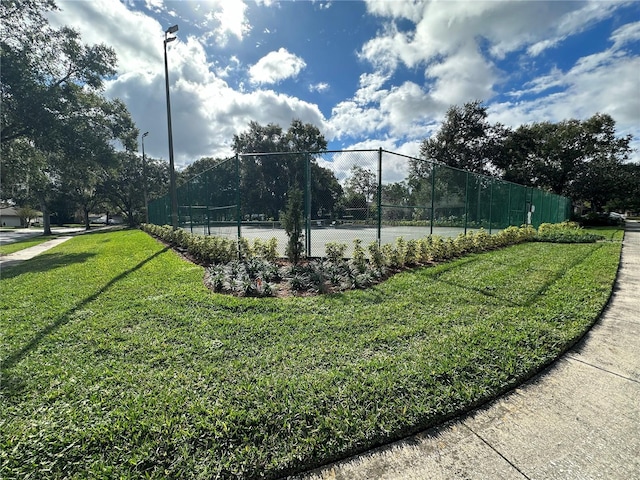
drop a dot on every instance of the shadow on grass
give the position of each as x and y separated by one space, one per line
14 358
42 263
531 299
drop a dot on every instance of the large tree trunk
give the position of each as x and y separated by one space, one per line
46 221
87 226
132 219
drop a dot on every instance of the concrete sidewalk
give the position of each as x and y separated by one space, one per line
28 253
580 419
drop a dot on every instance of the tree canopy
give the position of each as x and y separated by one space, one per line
581 159
59 134
466 140
266 179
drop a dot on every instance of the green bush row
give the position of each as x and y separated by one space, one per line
213 250
433 248
565 232
256 274
249 269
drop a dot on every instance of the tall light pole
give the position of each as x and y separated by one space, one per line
144 181
172 172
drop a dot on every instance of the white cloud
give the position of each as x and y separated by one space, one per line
319 87
371 90
350 119
406 108
606 82
411 10
227 19
395 168
233 64
206 111
455 45
276 66
455 41
463 76
626 34
539 47
155 5
136 38
395 118
359 115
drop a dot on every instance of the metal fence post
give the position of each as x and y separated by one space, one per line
490 204
433 194
206 203
190 200
466 202
379 199
238 209
509 209
307 158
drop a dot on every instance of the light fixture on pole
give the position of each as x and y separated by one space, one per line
144 181
172 172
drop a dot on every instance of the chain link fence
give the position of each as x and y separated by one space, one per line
370 195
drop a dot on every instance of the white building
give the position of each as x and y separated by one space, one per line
9 217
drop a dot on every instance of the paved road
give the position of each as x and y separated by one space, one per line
578 420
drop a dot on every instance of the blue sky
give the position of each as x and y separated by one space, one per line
369 74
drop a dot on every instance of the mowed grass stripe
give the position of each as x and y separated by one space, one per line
118 362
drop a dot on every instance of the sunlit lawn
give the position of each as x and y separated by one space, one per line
119 363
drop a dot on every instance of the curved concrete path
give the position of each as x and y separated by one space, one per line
579 419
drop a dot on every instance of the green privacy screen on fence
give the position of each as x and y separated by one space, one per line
371 195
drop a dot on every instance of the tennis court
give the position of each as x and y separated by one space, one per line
348 195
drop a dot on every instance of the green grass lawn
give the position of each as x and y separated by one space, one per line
615 234
26 243
117 362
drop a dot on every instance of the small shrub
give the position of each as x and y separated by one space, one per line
411 256
266 250
317 277
437 249
292 223
465 243
424 249
482 241
244 249
375 255
359 260
400 252
389 255
450 249
298 282
217 277
335 251
254 273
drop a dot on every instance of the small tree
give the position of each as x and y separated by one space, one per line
292 222
26 214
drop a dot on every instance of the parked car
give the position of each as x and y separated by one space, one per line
601 219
